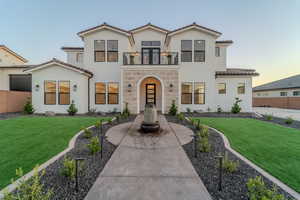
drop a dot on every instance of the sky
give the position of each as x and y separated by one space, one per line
265 32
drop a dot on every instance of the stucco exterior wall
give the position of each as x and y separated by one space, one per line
7 59
57 73
4 76
274 93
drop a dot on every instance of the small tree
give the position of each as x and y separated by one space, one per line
28 107
126 111
94 146
72 110
236 107
173 109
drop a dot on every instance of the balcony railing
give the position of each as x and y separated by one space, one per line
163 58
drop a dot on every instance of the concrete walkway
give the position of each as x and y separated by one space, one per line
278 112
151 167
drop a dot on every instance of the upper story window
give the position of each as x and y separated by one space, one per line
222 88
217 51
283 94
199 51
112 50
99 50
186 50
241 88
151 43
79 57
296 93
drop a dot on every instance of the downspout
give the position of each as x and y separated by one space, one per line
89 93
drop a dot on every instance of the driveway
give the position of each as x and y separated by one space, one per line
278 112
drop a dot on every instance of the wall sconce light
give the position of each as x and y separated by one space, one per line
171 85
75 88
129 87
37 87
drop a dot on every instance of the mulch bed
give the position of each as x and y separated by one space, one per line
64 188
206 165
281 121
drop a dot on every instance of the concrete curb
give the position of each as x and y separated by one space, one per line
27 176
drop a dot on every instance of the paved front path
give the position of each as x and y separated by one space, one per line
278 112
149 167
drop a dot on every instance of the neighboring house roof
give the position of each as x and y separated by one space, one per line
60 63
286 83
13 53
149 25
72 48
237 72
224 42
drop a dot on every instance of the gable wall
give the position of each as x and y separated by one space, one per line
8 59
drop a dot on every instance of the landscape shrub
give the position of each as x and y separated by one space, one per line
126 112
269 117
92 111
72 110
68 169
180 116
87 133
28 107
173 109
203 131
109 121
188 110
219 109
289 120
230 165
98 124
32 189
236 107
203 145
257 190
94 146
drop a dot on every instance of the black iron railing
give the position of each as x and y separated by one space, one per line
163 58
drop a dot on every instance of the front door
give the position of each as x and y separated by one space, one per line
151 93
150 56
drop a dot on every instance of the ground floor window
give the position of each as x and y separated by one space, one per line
222 88
241 88
64 92
283 94
113 93
50 92
20 82
100 93
199 93
186 93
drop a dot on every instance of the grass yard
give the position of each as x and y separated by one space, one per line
272 147
28 141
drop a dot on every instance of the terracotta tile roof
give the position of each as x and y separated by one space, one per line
72 48
149 24
13 53
194 24
237 72
286 83
54 60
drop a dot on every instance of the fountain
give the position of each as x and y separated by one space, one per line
150 123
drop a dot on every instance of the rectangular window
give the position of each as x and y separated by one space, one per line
199 51
186 50
100 93
99 48
113 93
112 50
64 92
296 93
79 57
150 43
222 88
20 82
199 93
186 93
283 94
217 51
241 88
50 93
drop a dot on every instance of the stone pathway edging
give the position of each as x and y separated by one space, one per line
257 168
11 187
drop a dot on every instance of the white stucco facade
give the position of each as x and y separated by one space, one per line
128 75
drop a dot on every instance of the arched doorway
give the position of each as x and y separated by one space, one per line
150 90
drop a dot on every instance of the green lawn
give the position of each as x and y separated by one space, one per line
272 147
28 141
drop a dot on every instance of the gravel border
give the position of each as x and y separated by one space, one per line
234 184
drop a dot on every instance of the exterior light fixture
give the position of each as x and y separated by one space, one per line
75 88
164 53
171 85
129 85
37 87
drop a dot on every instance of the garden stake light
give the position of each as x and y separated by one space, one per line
198 126
76 173
195 145
101 149
220 171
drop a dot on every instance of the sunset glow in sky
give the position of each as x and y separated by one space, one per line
265 32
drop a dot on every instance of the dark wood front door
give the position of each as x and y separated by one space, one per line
151 93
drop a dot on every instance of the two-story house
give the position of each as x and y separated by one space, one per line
148 64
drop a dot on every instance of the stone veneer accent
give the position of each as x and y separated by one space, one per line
133 76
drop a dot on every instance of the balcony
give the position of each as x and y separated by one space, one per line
150 58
